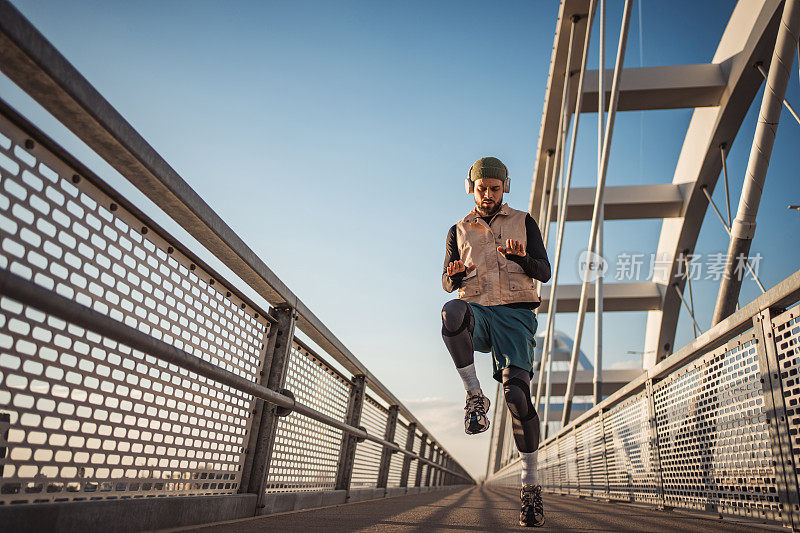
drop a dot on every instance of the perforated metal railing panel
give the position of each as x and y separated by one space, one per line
713 435
412 469
435 458
591 463
367 460
83 417
568 467
704 443
65 234
786 330
306 452
93 418
412 476
548 466
509 446
425 467
631 468
510 476
90 418
396 465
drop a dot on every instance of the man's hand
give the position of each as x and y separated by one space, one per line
512 248
456 267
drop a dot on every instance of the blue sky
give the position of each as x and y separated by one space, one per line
334 138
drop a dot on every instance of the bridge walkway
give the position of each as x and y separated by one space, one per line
480 508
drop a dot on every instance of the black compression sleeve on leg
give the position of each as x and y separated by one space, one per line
458 323
531 412
524 419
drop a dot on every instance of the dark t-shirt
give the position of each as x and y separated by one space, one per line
535 263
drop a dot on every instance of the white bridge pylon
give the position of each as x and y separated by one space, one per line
720 93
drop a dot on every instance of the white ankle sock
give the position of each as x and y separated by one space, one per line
470 378
530 474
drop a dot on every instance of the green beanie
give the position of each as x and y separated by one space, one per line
488 168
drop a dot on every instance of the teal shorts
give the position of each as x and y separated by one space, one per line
508 333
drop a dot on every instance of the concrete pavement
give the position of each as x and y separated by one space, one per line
479 508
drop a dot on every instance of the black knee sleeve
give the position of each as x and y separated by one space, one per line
516 393
456 317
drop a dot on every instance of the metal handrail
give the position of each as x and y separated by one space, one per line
783 294
85 173
170 245
36 66
20 289
49 144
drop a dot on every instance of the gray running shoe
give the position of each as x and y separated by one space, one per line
532 513
475 419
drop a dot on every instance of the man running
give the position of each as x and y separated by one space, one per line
492 257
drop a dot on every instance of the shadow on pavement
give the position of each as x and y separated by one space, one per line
477 508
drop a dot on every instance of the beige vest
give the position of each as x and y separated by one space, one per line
496 280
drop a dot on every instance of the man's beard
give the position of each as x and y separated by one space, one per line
484 213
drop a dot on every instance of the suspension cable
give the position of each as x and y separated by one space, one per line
597 374
725 178
691 297
612 111
786 103
559 143
691 314
704 188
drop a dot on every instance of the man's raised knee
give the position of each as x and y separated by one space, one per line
456 317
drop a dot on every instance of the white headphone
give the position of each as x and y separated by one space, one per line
470 185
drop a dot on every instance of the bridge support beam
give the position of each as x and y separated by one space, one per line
5 424
661 87
429 470
651 411
418 480
347 452
495 443
386 455
436 456
265 417
744 225
602 417
501 419
780 439
626 202
412 430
